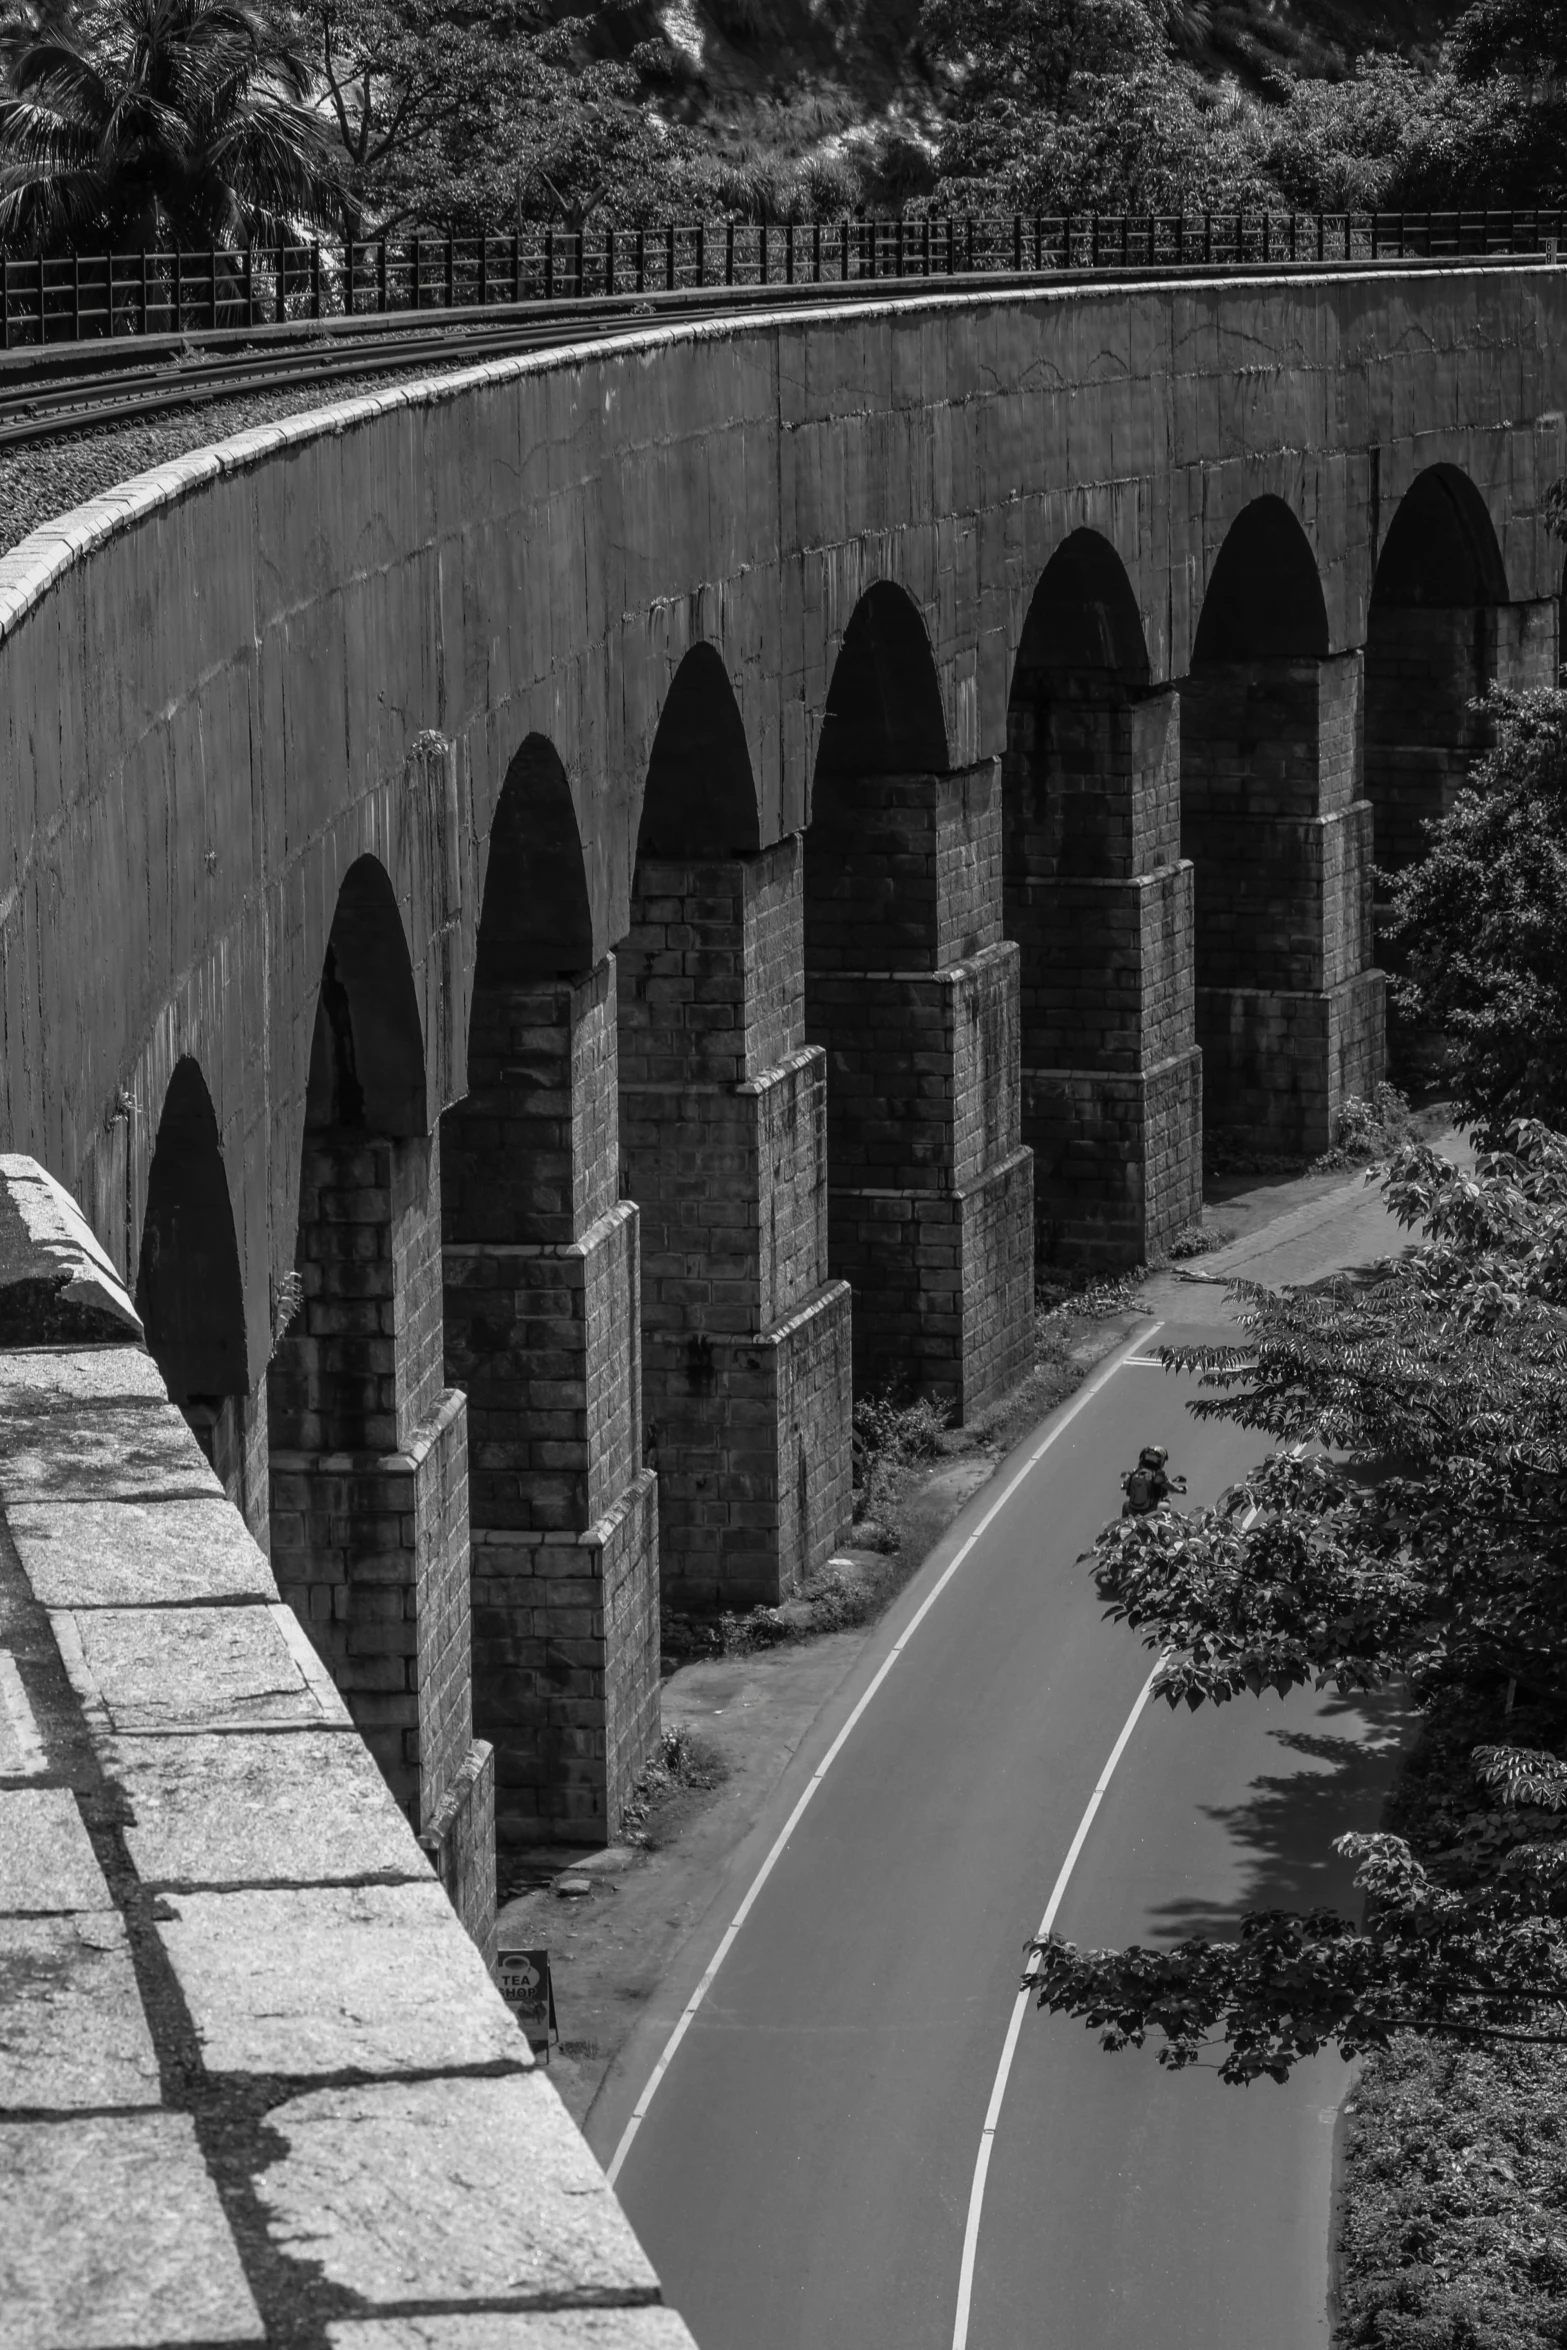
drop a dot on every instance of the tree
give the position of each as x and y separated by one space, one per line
1083 105
1430 1549
182 118
1483 921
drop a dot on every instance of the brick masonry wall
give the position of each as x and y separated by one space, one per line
1281 840
903 872
360 1365
725 1153
1424 666
996 1268
543 1330
1117 1159
1280 1065
1103 914
371 1550
233 1435
460 1841
566 1668
367 1460
912 995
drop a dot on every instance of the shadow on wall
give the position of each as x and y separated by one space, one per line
1100 905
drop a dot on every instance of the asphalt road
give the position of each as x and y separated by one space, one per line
802 2177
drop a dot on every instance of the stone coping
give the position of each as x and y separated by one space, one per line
256 2084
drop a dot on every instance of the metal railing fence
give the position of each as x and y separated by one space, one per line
78 297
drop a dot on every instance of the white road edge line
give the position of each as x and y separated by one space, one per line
987 2135
1079 1403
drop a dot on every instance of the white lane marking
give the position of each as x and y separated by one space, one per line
987 2136
1079 1403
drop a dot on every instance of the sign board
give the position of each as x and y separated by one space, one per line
526 1987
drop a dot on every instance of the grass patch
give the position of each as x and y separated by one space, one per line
1453 2219
687 1769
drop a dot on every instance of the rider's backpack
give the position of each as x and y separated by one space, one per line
1139 1488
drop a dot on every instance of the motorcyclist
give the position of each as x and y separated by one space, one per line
1149 1485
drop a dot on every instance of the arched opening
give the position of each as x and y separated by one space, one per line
1431 650
366 1544
912 994
701 797
1289 1014
540 1270
190 1294
367 1048
744 1343
1100 907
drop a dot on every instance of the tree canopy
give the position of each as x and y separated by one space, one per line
1427 1546
1483 922
182 118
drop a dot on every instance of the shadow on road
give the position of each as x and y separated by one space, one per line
1281 1837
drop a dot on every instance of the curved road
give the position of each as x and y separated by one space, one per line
802 2176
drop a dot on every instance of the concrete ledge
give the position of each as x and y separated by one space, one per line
231 1982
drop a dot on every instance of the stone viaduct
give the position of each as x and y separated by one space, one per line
559 920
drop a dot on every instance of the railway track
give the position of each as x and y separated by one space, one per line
52 391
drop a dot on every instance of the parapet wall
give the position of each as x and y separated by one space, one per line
256 2085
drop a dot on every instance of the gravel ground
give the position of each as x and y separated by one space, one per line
38 483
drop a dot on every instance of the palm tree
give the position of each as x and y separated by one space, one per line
187 120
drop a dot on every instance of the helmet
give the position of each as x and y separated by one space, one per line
1153 1456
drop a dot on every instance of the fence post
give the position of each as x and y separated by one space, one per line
701 252
846 252
451 270
549 265
764 253
789 253
144 283
5 301
669 256
729 253
816 252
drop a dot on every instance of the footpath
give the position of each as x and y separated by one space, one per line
614 1920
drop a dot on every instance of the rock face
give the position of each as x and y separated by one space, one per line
211 1906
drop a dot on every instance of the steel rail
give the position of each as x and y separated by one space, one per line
49 392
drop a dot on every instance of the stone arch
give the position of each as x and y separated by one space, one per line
1431 652
536 918
367 1050
1101 910
700 799
911 993
1289 1012
1441 549
190 1291
883 714
365 1447
539 1258
188 1287
1434 644
1264 597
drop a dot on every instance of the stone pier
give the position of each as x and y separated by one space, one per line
542 1331
369 1477
1289 1013
746 1341
912 993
